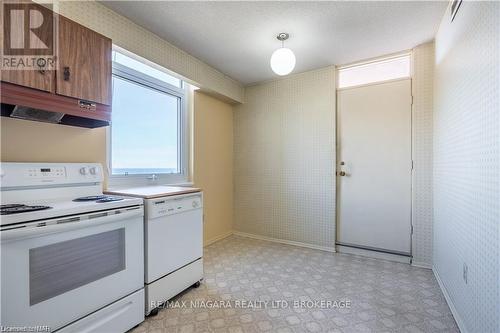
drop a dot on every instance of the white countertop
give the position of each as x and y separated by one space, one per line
149 192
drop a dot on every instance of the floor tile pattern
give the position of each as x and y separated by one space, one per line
383 296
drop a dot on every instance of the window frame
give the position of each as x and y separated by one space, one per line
136 77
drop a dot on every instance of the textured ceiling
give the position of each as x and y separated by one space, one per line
238 38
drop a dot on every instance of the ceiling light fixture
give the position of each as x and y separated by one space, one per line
283 59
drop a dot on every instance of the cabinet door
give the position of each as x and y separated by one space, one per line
42 79
38 79
84 63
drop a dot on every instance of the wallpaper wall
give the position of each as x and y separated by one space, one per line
422 113
466 163
284 159
138 40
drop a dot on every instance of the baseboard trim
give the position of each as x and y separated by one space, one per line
218 238
447 297
421 265
284 241
373 254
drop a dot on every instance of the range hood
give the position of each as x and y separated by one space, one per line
23 112
32 104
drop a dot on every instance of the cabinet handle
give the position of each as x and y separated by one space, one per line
87 105
66 73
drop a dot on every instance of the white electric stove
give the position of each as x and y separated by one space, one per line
72 259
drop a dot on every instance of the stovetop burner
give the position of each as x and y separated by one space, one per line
98 198
19 208
90 198
109 199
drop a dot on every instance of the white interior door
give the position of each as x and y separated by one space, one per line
374 143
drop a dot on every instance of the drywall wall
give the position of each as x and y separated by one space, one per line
142 42
422 113
30 141
284 159
466 164
213 163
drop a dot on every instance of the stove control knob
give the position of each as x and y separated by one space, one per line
93 171
83 171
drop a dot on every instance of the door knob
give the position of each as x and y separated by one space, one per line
342 173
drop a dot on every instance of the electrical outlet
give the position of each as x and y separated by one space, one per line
465 272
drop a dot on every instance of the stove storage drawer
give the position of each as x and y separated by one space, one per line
118 317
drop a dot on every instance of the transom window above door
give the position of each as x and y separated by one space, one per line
390 68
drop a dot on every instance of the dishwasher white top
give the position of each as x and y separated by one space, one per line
150 192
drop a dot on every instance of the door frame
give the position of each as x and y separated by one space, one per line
360 250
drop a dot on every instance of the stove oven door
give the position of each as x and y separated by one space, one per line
58 271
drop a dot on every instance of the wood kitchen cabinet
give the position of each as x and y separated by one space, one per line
78 89
40 78
84 63
37 79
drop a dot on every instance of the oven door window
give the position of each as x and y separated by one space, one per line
58 268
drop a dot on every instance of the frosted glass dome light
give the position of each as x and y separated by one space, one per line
283 61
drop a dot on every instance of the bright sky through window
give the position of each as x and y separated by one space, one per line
146 69
146 119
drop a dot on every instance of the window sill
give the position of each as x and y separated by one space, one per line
131 181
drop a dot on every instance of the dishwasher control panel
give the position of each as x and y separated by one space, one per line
173 205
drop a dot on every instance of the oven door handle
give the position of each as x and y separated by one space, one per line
70 223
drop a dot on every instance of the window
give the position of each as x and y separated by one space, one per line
377 71
147 69
148 125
